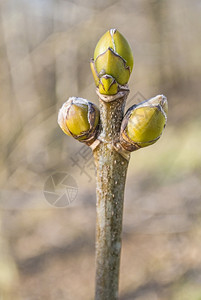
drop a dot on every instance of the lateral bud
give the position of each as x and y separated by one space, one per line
144 123
79 118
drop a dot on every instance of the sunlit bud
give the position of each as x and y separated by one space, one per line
79 118
143 124
108 85
113 57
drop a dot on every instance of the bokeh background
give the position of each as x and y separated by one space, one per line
48 252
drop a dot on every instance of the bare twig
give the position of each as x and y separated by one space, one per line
111 168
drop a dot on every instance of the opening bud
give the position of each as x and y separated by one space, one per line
108 85
144 123
79 118
112 57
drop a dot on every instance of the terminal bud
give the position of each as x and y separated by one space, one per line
112 57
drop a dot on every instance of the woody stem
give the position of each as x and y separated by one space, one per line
111 169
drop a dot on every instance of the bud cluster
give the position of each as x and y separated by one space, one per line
111 67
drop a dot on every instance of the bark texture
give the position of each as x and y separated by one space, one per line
111 169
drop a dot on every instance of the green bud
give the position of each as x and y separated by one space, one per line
108 85
114 40
112 57
79 118
143 124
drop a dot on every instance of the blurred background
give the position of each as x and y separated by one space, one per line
46 251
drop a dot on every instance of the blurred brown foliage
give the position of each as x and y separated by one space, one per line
45 47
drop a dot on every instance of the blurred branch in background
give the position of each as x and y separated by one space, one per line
9 280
